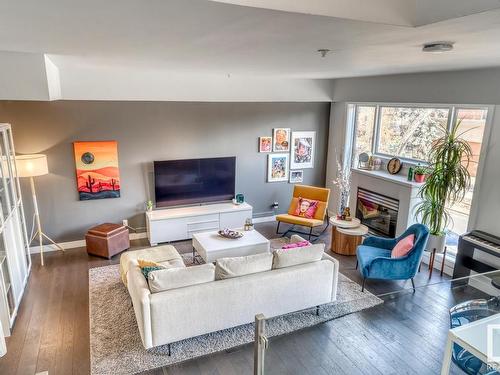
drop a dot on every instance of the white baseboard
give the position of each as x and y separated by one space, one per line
77 243
264 219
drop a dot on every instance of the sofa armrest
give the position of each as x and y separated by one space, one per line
140 295
335 274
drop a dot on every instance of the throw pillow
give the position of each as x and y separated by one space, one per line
306 208
148 269
293 245
173 278
291 257
147 263
403 247
226 268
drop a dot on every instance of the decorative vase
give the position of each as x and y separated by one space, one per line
419 178
436 242
344 195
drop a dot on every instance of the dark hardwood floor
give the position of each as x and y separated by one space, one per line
405 335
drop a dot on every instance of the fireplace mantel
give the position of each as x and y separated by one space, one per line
395 178
393 186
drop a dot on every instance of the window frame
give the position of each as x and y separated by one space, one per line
452 117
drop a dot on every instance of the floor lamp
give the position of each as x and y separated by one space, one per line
33 166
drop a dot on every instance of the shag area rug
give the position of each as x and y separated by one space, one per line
116 347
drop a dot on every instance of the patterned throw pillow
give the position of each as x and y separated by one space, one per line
148 266
296 244
306 208
147 270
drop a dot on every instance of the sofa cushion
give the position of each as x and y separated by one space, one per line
166 255
226 268
291 257
173 278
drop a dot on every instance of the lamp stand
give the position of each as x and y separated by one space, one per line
36 219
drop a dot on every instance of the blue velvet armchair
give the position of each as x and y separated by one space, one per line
375 262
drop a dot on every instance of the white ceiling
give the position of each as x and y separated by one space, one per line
202 37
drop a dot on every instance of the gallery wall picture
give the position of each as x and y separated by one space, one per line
265 144
296 177
277 167
97 172
281 139
303 147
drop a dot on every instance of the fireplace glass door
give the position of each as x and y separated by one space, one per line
378 212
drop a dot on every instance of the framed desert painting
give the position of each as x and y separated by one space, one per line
97 173
277 167
303 144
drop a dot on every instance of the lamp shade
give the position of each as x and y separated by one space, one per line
31 165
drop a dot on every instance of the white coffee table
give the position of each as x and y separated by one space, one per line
210 246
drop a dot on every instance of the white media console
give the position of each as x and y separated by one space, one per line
174 224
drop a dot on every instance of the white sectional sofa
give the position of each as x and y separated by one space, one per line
171 315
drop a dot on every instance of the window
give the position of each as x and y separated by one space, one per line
365 124
408 132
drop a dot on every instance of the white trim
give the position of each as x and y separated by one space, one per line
264 219
78 243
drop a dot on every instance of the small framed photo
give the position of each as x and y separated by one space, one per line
303 145
296 177
277 167
265 144
281 140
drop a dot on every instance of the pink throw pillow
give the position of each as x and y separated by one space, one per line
296 244
306 208
403 247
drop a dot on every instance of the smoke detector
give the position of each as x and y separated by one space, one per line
323 52
437 47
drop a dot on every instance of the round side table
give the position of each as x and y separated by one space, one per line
347 235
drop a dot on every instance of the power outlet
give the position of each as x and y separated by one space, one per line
125 222
275 205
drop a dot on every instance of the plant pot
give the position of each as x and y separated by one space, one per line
419 178
436 242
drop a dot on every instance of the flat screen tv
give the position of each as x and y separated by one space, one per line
192 181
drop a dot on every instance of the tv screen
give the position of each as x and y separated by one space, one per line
182 182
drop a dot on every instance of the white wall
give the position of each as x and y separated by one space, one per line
459 87
98 83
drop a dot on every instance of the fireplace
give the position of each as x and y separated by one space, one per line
378 212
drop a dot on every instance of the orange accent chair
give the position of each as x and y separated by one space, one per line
308 192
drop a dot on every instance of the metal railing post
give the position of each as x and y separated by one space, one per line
260 344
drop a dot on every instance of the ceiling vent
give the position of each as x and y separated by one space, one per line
437 47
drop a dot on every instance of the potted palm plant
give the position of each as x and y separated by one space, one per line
447 181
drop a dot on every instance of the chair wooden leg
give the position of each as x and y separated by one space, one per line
363 285
442 264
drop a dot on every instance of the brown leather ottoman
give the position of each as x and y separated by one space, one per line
107 239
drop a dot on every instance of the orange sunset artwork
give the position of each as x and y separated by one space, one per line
97 172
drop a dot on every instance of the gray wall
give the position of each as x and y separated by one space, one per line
457 87
148 131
